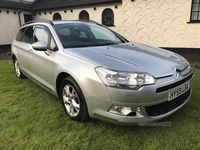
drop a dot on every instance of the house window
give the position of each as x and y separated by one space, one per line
108 17
195 13
57 16
84 15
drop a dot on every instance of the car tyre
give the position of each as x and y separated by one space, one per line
18 71
73 100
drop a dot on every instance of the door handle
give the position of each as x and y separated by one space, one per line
48 53
30 51
17 46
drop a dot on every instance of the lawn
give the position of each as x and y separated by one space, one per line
32 119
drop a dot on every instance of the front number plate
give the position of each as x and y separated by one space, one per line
178 91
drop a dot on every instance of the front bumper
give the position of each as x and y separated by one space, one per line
152 101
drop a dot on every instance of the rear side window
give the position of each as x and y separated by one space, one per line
27 36
19 34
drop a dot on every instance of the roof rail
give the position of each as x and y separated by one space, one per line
43 20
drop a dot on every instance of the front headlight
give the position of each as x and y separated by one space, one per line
133 80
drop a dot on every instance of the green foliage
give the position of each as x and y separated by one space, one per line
30 118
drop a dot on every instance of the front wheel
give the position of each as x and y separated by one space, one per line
73 100
18 72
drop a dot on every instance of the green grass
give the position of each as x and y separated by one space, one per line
30 118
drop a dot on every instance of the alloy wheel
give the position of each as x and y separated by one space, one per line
71 101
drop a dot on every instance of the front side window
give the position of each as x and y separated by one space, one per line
28 34
195 13
41 35
108 17
84 15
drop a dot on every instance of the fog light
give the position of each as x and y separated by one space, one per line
124 111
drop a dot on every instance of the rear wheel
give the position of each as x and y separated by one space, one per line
73 100
18 72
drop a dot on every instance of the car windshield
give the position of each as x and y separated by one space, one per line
83 35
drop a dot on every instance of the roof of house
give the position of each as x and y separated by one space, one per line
58 4
39 5
11 4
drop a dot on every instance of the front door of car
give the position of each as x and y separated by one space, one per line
40 62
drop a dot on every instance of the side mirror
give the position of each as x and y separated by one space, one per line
40 46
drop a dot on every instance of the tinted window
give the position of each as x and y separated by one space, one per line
19 34
108 17
64 31
84 15
104 34
57 16
195 13
53 45
27 36
41 34
83 35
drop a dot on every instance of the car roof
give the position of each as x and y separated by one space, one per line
55 22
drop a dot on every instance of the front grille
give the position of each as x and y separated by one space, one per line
168 106
171 86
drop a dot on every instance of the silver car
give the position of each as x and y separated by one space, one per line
97 73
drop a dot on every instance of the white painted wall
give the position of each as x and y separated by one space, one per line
9 25
160 23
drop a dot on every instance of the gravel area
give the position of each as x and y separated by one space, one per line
5 56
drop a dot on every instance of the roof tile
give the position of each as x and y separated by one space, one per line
39 5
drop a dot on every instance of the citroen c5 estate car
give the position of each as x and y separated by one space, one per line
99 74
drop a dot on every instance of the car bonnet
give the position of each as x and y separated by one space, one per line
132 57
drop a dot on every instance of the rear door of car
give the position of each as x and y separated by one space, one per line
22 46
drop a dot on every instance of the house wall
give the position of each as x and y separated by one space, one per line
9 25
94 14
162 23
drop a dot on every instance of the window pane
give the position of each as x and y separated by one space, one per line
64 31
104 34
108 17
19 34
53 46
83 35
195 1
41 35
84 15
195 7
194 16
87 35
28 35
57 16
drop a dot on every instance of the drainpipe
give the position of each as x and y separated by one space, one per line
20 23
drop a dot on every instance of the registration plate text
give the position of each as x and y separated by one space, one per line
178 91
